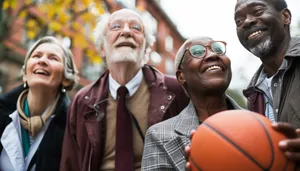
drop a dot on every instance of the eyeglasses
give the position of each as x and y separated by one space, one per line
200 51
119 25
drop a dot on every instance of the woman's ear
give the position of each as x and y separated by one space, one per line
286 16
180 77
66 82
24 78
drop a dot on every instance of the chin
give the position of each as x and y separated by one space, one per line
262 49
132 57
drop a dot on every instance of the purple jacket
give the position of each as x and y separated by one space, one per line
84 140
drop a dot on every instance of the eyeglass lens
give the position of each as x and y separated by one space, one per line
200 50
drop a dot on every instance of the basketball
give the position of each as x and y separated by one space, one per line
237 140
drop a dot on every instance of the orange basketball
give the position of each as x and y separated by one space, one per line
238 140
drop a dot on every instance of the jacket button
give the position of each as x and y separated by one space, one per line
162 107
275 84
86 97
169 97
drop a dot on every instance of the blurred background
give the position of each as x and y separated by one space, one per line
22 22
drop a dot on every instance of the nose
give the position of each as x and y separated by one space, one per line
249 21
43 60
126 31
210 55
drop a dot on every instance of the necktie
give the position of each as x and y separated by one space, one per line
124 140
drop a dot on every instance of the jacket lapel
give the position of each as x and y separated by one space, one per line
187 120
12 144
160 97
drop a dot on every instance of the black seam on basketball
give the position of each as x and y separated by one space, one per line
235 145
269 138
192 160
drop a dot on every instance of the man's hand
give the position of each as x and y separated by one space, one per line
188 152
291 145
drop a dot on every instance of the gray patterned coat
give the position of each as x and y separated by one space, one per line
165 141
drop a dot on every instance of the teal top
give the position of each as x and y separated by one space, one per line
24 132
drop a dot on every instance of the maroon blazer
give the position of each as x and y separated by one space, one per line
83 146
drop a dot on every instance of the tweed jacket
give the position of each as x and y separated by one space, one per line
84 141
289 108
165 141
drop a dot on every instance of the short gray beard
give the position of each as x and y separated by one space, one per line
262 48
116 57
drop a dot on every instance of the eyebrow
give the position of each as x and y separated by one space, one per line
128 20
250 5
40 52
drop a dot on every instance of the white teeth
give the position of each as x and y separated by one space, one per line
213 68
40 71
254 34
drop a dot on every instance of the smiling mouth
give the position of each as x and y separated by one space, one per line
255 34
213 68
126 44
41 72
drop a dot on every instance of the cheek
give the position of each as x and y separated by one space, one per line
140 39
111 37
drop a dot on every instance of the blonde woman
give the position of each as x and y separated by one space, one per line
33 117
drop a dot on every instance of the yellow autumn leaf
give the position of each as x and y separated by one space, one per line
80 41
55 26
57 1
89 53
87 17
31 34
5 5
100 8
31 23
52 10
43 8
63 18
27 2
23 14
96 59
13 4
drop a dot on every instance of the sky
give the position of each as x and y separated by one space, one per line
215 18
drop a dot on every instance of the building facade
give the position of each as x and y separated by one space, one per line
21 33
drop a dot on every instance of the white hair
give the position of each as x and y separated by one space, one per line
101 28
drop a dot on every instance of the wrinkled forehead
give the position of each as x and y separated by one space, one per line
240 4
198 40
126 15
50 48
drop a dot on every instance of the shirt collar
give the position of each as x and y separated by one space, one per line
132 85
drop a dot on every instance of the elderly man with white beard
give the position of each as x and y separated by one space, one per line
108 119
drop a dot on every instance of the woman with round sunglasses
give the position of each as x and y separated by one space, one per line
204 72
33 116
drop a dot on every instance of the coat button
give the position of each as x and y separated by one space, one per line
275 84
276 110
162 107
169 97
86 97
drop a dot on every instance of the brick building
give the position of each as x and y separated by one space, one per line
14 45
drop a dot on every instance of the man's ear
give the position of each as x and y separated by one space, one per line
180 77
286 16
102 53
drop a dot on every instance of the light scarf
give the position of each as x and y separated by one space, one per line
34 124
